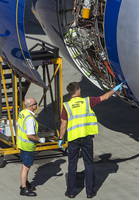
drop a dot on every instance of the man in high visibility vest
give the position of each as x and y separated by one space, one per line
80 121
27 129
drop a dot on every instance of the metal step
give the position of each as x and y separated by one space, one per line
4 104
9 85
9 94
8 76
5 67
5 114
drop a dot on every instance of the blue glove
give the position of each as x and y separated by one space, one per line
118 87
60 142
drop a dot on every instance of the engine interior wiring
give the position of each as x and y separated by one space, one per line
84 39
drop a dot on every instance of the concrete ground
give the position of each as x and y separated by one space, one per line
116 155
116 151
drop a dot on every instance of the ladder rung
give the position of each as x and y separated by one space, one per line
5 113
5 67
7 76
9 85
10 108
4 103
9 94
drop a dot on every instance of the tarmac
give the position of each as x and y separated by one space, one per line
116 149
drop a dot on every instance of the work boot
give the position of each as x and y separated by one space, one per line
30 187
92 194
26 192
69 195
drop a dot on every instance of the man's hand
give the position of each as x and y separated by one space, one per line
42 140
118 87
60 142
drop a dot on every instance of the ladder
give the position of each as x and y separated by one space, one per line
11 100
14 91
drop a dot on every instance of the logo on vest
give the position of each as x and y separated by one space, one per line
21 116
77 104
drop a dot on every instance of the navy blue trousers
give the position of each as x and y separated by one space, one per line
86 146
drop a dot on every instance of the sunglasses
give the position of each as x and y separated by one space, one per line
34 104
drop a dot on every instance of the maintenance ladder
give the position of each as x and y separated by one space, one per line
13 89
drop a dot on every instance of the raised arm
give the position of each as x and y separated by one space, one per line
107 95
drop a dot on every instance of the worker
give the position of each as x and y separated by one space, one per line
27 129
80 121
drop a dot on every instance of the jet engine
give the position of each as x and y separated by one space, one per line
99 36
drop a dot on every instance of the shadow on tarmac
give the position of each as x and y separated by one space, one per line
47 171
106 166
113 114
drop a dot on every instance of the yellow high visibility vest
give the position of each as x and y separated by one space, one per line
82 120
22 140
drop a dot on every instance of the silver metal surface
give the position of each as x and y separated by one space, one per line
128 43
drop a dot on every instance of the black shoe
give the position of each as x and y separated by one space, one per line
26 192
69 195
30 187
91 195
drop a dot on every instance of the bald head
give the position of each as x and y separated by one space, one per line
29 102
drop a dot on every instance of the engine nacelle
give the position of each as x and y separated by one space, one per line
100 36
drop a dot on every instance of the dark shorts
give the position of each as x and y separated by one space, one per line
27 157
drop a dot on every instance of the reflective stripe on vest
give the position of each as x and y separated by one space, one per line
23 129
24 140
79 116
80 125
